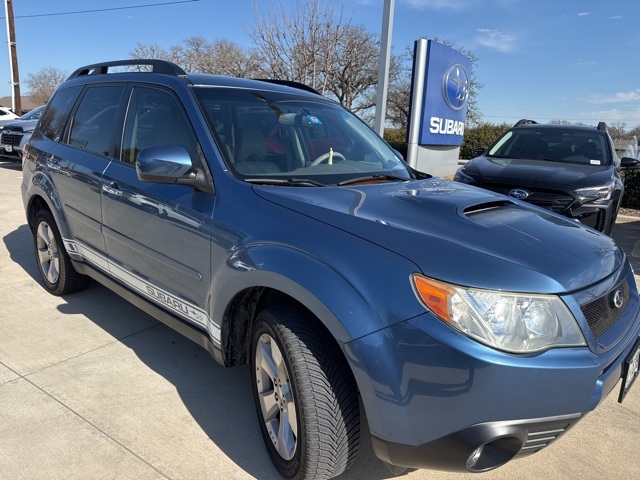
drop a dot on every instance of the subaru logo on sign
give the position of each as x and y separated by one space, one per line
519 193
455 86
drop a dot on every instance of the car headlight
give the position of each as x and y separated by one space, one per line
460 176
513 322
602 192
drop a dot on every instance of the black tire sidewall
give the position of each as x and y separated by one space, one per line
69 280
287 468
46 217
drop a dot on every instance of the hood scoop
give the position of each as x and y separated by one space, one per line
496 213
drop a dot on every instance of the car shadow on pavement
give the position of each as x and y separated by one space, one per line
19 244
10 165
219 399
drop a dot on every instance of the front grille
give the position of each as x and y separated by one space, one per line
602 313
10 138
551 200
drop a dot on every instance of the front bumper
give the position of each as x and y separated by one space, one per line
436 399
480 447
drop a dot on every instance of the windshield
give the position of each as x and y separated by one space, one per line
33 114
555 144
282 137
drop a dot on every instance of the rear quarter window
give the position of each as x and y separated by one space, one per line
56 114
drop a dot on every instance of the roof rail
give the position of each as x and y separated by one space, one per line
290 83
524 121
602 126
157 66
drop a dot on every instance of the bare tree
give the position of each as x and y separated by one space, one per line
398 99
298 42
634 131
43 83
231 59
150 51
617 130
196 54
355 70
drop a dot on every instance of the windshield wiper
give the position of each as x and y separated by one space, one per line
377 176
297 182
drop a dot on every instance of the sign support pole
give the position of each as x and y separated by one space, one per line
419 72
13 58
383 69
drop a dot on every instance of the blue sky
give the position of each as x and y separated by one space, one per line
577 60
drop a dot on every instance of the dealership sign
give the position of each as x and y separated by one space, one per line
444 96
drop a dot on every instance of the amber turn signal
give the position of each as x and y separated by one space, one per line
434 295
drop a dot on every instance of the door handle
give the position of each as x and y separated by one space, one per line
113 188
53 165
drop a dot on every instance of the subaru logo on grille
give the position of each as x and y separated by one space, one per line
455 86
617 299
519 193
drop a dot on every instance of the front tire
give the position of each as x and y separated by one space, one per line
54 264
305 395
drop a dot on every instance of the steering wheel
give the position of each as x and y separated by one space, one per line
325 156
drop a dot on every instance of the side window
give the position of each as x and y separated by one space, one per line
95 119
54 118
155 118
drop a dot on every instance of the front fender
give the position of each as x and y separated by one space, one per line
365 292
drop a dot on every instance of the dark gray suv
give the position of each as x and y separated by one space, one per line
569 169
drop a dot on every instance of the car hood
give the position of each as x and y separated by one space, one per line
462 234
20 125
537 173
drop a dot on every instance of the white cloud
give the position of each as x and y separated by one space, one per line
495 40
629 116
620 97
583 63
584 14
616 17
441 4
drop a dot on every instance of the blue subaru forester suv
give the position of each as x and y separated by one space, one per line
271 226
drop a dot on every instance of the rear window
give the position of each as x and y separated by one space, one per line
56 114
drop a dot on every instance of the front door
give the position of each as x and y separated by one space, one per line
158 236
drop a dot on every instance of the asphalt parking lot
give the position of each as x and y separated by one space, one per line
93 388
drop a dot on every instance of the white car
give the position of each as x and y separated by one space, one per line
15 133
6 115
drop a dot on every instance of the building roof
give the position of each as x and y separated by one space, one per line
27 103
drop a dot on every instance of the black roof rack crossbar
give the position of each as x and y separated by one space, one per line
158 66
290 83
525 121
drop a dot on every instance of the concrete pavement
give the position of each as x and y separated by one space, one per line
93 388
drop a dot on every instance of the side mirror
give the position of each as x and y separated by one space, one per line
628 163
165 164
476 152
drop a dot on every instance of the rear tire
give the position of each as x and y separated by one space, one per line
54 264
305 395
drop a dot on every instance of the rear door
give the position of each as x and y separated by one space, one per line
77 158
157 235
